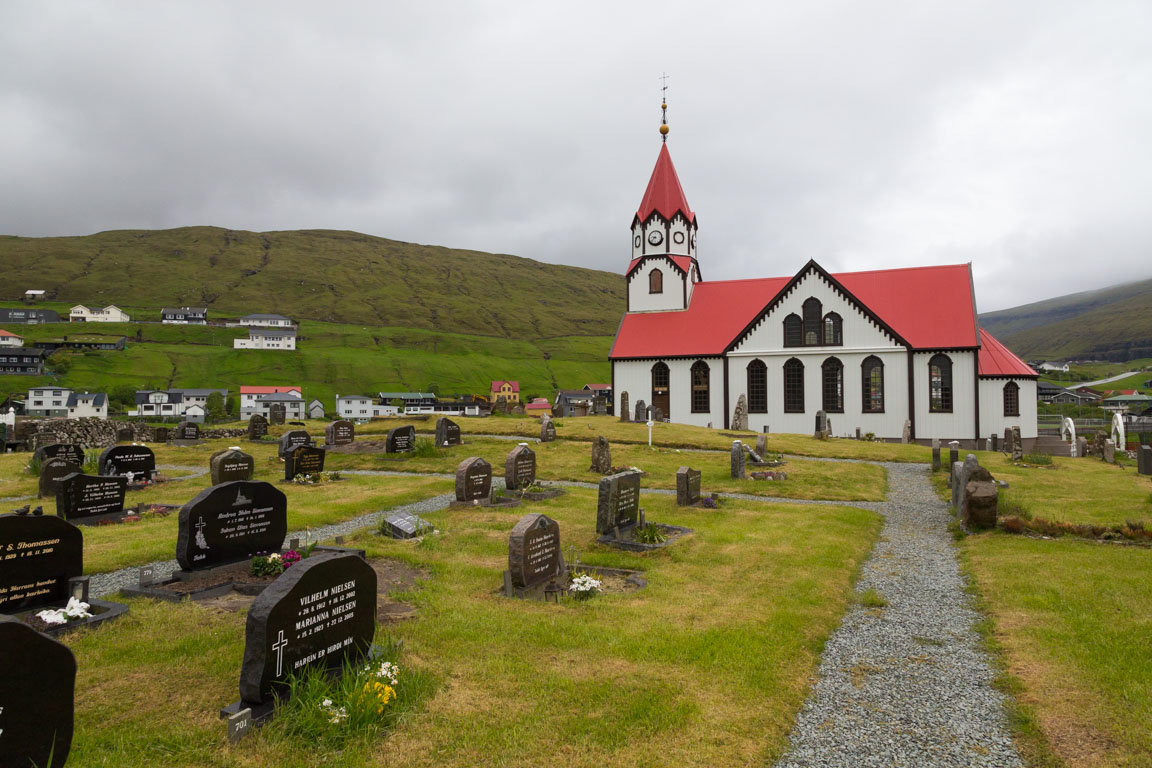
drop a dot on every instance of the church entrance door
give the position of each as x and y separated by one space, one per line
660 389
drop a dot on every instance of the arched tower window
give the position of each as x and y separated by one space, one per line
832 376
793 331
793 386
758 386
812 316
940 384
833 330
700 397
660 398
872 384
655 281
1011 399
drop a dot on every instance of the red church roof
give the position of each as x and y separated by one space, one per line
995 359
664 194
683 262
930 307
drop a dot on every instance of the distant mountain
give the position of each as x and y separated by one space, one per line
1107 324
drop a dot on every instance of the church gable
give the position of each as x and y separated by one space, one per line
813 311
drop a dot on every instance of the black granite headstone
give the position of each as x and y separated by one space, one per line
520 468
401 440
52 471
687 486
320 611
122 459
618 505
39 555
547 431
231 522
339 433
73 452
41 439
447 432
304 460
277 413
534 551
231 464
1144 460
37 693
257 426
292 439
473 479
124 435
187 430
405 525
90 498
160 435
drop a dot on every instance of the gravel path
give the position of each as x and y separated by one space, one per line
906 685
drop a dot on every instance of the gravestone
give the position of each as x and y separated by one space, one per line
89 498
401 440
405 525
625 414
51 472
988 443
547 430
257 426
980 499
740 415
231 464
618 503
447 432
40 555
231 522
737 460
534 551
122 459
1109 452
859 434
601 456
962 473
657 414
473 479
43 439
936 458
906 437
187 430
73 452
762 444
641 411
340 432
37 691
277 412
291 440
520 468
995 441
1082 447
1144 460
1017 445
821 424
304 460
320 611
599 405
1008 447
687 486
160 435
124 435
953 451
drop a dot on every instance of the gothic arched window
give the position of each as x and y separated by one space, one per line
872 384
793 331
700 398
812 316
793 386
833 330
1011 399
833 385
655 281
940 384
757 387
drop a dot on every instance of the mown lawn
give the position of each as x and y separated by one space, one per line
706 666
1071 623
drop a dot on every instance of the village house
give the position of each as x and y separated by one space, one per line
266 321
108 314
267 338
82 341
184 315
573 402
250 398
8 339
505 391
173 403
316 409
60 402
897 352
1131 402
538 407
363 407
29 362
33 296
29 316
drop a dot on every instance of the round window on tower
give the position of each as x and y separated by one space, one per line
636 242
678 238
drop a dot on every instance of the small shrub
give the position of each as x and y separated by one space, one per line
34 466
267 565
92 462
1041 459
871 599
649 534
426 448
1012 524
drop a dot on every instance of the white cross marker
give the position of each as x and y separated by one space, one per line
279 647
200 526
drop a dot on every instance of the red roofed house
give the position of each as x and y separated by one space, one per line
9 339
871 349
260 399
538 407
505 390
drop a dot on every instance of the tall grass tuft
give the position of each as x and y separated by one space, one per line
34 465
426 448
92 462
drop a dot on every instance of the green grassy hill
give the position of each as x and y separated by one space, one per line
374 314
1108 324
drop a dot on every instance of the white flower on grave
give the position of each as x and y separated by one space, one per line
275 557
72 611
584 583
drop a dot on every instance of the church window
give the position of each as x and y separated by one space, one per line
660 384
833 330
793 331
700 399
833 385
757 387
655 281
812 313
940 384
793 386
872 380
1011 399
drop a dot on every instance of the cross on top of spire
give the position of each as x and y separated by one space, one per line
664 107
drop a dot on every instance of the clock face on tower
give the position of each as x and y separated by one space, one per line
655 237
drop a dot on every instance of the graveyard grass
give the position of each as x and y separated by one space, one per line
1069 622
706 666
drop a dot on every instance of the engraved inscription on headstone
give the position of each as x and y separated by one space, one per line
687 486
187 430
89 498
51 472
520 468
473 479
231 522
73 452
122 459
39 554
239 724
618 503
405 525
339 433
547 430
447 432
277 413
257 426
304 460
737 460
534 551
625 414
37 689
231 464
292 439
401 440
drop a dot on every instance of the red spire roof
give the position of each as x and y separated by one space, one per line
664 194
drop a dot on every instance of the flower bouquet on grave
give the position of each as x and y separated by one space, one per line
73 611
584 587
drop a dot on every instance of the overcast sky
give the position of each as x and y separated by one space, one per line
1013 134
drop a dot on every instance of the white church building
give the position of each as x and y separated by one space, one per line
872 349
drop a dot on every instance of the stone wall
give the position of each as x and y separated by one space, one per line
101 433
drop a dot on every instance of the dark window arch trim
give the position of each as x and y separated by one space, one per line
701 388
793 386
656 281
940 387
871 401
1012 399
832 389
757 373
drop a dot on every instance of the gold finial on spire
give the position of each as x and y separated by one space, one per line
664 107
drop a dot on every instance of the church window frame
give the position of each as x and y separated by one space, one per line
1011 399
701 388
793 331
757 386
872 385
813 313
794 386
832 385
656 281
940 384
833 328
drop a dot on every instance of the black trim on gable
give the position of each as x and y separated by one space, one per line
791 284
667 256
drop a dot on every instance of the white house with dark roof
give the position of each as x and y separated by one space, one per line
172 403
184 315
268 338
60 402
108 314
294 407
266 321
250 397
